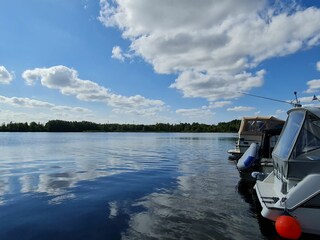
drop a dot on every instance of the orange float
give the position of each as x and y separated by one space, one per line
288 227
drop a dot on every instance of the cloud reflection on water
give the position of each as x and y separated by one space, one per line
55 163
153 187
200 206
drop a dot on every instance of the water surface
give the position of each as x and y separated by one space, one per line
123 186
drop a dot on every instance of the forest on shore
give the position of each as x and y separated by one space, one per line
84 126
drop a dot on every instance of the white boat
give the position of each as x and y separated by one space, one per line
251 131
293 187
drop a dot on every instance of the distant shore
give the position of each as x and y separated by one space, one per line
85 126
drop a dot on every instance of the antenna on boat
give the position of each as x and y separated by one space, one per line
296 104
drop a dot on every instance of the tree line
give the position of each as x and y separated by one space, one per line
85 126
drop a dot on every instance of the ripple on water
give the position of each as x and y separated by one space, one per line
122 186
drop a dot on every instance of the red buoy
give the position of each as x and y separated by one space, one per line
288 227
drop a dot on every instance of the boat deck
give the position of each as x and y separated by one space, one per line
270 197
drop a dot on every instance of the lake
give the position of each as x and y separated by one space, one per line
124 186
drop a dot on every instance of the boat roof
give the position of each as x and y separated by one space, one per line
313 110
251 125
263 118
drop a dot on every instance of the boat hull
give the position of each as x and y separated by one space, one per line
274 203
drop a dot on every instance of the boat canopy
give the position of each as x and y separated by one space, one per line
255 125
297 152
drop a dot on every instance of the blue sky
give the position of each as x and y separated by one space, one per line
148 61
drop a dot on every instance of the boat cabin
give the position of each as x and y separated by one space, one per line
297 153
251 131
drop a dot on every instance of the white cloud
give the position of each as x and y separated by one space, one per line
8 115
313 86
33 103
318 66
280 111
241 109
28 115
25 102
57 77
117 53
219 104
212 45
194 112
71 109
27 110
203 114
5 76
195 84
310 101
281 114
66 80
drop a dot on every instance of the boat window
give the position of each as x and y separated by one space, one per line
309 137
273 140
276 125
250 126
289 134
261 125
255 126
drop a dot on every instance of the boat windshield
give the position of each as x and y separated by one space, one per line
289 135
309 138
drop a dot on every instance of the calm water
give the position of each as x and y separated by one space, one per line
123 186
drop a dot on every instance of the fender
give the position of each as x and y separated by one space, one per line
249 157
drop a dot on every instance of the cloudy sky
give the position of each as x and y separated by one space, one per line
148 61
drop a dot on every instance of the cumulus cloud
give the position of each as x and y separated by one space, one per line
313 86
219 104
223 85
23 115
28 109
19 116
318 66
5 76
71 109
117 53
194 112
213 46
203 112
66 80
241 109
33 103
25 102
307 100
